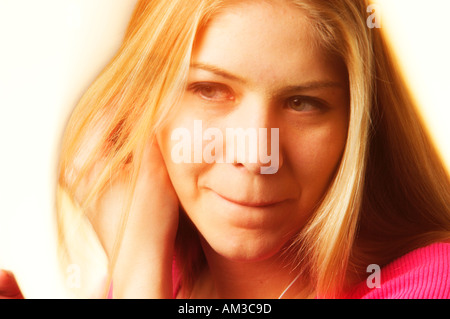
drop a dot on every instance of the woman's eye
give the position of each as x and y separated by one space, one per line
212 91
303 104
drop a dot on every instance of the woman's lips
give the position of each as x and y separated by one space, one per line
250 203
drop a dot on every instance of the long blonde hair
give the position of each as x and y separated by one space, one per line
389 195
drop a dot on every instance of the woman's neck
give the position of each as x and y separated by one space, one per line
266 279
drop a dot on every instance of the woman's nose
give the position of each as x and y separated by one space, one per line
253 141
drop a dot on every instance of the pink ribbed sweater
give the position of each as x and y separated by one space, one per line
423 273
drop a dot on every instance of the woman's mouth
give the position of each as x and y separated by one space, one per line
257 202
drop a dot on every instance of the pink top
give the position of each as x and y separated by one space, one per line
423 273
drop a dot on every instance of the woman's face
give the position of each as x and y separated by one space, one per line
255 67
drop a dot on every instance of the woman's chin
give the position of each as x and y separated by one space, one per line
244 249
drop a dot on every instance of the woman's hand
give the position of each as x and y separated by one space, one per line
144 264
9 289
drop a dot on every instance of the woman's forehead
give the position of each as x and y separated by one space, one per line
264 43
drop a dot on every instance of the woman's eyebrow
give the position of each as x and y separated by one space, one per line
311 85
218 71
314 85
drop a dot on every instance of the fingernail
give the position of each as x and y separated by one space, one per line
4 272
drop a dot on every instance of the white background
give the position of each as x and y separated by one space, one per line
51 50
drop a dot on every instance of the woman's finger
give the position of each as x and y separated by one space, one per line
9 289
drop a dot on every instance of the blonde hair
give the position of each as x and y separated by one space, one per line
391 191
389 195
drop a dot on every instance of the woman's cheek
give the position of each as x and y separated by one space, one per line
314 156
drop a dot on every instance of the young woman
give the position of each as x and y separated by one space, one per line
357 180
